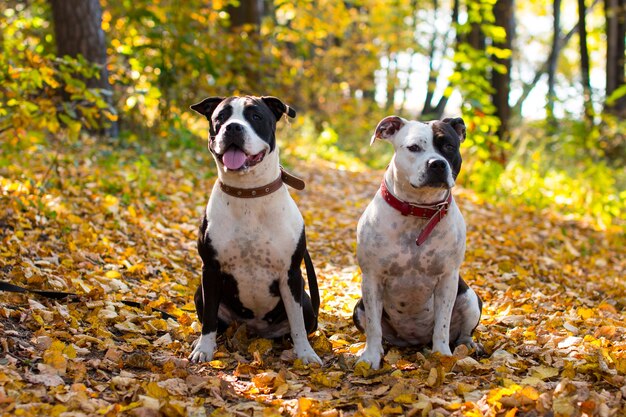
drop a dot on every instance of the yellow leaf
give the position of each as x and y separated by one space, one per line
54 356
585 313
432 377
404 399
304 405
321 344
268 381
57 410
362 369
388 409
564 406
260 345
155 391
371 411
112 274
217 364
568 370
70 352
544 372
328 379
511 412
139 267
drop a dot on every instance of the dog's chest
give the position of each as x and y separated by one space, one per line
387 251
254 240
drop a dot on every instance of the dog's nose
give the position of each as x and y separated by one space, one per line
436 165
234 128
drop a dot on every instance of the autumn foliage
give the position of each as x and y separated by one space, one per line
114 219
112 226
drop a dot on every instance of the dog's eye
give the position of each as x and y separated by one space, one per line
256 117
449 148
414 148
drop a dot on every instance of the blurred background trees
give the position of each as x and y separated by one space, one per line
540 86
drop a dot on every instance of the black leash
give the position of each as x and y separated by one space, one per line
59 295
55 295
312 279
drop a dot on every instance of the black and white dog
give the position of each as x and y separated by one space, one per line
252 239
412 291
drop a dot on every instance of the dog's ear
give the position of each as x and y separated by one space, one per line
278 107
387 128
207 106
458 125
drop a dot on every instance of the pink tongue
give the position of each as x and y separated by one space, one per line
234 158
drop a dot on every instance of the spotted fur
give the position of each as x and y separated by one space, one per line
251 249
414 295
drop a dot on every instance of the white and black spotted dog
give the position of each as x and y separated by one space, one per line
252 240
411 242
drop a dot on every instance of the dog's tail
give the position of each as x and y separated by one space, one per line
312 280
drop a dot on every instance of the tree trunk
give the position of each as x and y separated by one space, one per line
528 87
552 61
503 12
615 12
428 109
584 62
443 101
78 31
392 81
248 12
246 18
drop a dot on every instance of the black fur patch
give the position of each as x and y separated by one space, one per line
260 117
463 287
448 144
296 285
209 297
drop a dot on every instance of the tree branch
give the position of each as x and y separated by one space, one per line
528 87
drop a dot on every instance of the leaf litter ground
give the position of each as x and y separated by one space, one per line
112 226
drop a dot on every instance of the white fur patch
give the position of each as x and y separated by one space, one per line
419 283
410 167
204 348
253 143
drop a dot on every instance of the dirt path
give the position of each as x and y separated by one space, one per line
553 321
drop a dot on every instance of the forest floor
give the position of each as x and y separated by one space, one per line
112 226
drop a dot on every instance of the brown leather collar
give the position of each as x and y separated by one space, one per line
284 177
433 212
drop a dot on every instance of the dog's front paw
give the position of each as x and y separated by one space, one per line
203 348
308 355
372 356
442 347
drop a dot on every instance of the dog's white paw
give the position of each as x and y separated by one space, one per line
372 356
442 348
203 348
308 355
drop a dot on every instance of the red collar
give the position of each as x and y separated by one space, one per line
433 212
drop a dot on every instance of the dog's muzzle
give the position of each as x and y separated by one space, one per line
437 173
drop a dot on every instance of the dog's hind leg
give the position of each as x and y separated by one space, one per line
358 315
310 318
293 296
467 312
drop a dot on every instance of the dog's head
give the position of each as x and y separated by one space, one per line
242 130
427 154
